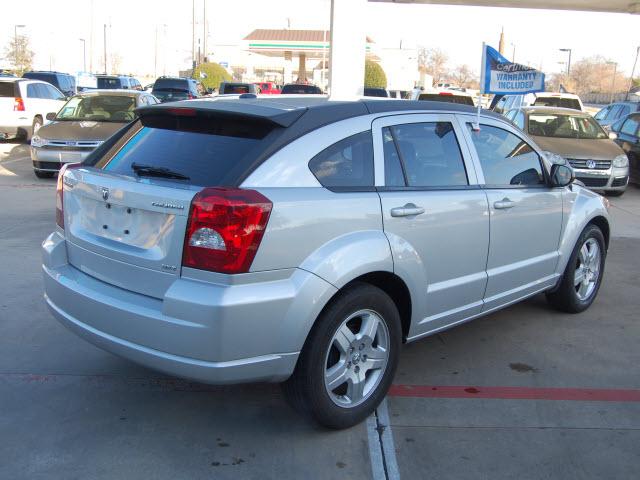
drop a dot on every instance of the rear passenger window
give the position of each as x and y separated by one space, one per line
506 159
428 152
348 163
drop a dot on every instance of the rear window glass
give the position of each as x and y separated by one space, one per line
375 92
211 152
300 89
7 89
108 82
347 163
235 88
435 97
557 102
45 77
171 84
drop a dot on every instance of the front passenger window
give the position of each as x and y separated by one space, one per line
505 158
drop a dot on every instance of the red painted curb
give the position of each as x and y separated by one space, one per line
516 393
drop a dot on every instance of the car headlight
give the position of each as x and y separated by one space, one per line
621 161
36 141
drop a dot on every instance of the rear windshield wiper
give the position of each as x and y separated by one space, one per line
151 171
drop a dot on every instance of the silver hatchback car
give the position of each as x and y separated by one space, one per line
304 240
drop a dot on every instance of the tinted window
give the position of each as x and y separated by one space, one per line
35 91
436 97
602 113
52 93
614 113
506 159
518 119
300 89
108 82
45 77
171 84
430 154
348 163
393 173
7 89
211 153
236 88
375 92
572 103
630 126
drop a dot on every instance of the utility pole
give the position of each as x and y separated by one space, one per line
91 37
204 30
193 36
513 57
155 56
633 72
105 48
84 54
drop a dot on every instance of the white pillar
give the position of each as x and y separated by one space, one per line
348 49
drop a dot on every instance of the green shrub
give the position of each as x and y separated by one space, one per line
215 75
374 76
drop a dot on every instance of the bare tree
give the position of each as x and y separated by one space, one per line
434 62
19 52
595 75
464 76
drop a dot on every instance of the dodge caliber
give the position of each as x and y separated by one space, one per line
303 240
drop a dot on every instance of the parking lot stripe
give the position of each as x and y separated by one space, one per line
386 437
375 449
517 393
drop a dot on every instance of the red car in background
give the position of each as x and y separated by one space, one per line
267 88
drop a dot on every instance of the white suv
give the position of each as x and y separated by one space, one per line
540 99
24 105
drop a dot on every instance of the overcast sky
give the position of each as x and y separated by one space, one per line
55 27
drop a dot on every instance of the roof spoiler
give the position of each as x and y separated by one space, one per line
226 109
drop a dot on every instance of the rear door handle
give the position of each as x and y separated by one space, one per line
503 204
407 211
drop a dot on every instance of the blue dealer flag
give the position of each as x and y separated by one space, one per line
501 76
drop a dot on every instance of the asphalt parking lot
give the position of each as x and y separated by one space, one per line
523 393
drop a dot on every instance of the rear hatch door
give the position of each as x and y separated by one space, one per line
125 221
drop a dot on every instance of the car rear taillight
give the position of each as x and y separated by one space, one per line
18 104
60 193
225 229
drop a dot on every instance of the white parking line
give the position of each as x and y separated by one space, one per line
388 447
382 451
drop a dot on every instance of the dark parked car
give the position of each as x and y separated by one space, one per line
227 88
171 89
118 82
64 82
301 89
375 92
628 132
614 112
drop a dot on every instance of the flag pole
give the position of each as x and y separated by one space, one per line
476 126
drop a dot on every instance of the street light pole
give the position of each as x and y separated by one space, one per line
105 47
15 39
569 60
84 54
633 72
513 57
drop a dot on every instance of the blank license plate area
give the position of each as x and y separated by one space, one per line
136 227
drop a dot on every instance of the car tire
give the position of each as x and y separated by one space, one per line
332 353
615 193
572 295
40 174
35 126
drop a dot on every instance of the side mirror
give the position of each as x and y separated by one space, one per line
613 136
50 116
561 175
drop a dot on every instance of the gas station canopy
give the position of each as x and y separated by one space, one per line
612 6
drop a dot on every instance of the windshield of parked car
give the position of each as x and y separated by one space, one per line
561 102
565 126
99 108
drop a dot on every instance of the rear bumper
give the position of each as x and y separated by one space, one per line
206 332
